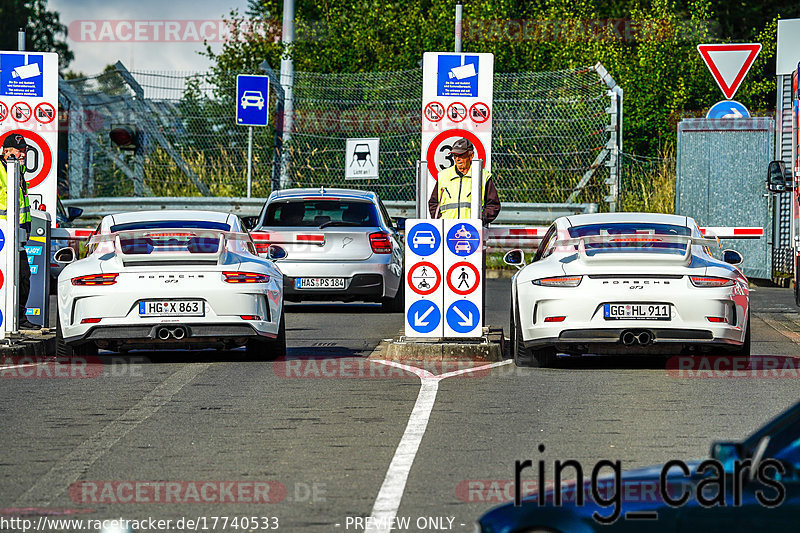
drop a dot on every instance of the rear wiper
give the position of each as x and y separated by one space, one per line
337 223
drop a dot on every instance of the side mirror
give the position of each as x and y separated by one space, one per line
64 256
276 252
73 213
400 223
250 222
732 257
778 178
515 257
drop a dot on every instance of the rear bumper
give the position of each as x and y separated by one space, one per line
146 335
609 340
368 287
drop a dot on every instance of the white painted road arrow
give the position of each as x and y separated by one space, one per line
467 323
418 320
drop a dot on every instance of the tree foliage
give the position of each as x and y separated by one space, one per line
648 46
42 28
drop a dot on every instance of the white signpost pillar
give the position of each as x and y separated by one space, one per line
463 268
29 107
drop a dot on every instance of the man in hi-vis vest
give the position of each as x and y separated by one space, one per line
453 192
15 147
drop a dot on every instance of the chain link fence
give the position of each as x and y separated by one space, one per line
554 139
648 183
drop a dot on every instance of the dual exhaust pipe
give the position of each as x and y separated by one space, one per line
629 338
165 333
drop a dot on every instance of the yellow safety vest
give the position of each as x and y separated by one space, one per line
455 193
24 203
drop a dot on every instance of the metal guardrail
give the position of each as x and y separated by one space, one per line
511 213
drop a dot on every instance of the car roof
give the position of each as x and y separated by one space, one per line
168 214
323 192
611 218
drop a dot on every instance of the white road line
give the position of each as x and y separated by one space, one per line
22 366
72 466
394 484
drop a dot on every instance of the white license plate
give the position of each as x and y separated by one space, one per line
637 311
172 308
319 283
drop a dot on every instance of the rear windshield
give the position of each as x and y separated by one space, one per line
318 212
639 243
171 224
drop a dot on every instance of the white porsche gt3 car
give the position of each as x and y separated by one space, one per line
626 283
168 279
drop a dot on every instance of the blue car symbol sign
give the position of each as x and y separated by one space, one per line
424 239
463 239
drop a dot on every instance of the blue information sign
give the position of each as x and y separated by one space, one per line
424 316
457 78
463 316
252 100
22 75
463 239
728 109
424 239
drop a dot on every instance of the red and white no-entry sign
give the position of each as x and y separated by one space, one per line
424 278
463 278
439 157
456 112
434 111
39 159
21 112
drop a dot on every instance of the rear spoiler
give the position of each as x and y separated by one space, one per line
642 238
203 240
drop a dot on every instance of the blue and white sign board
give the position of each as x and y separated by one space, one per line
424 256
252 100
457 101
728 109
463 278
29 107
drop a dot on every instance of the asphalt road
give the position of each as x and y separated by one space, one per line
198 435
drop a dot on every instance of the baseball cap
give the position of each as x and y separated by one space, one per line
15 140
462 146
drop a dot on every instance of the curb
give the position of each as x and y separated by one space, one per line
491 349
33 343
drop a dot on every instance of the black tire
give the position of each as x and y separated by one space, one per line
522 355
269 349
396 304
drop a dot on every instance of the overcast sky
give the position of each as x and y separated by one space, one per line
105 31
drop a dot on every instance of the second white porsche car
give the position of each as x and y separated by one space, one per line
167 279
626 283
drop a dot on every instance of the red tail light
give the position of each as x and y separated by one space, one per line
250 317
90 321
718 319
709 281
96 279
245 277
380 242
555 319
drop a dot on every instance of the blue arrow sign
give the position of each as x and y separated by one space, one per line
424 316
424 239
728 109
2 240
463 239
252 100
463 316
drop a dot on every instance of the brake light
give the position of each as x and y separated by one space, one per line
250 317
245 277
555 319
706 281
96 279
559 281
717 319
90 321
171 234
380 242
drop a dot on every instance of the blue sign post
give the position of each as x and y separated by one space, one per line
252 109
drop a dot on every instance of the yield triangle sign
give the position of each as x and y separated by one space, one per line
729 63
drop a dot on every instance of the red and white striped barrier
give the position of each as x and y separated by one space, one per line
730 232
